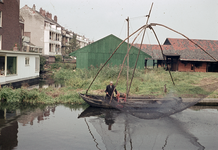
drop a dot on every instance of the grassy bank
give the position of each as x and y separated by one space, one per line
146 82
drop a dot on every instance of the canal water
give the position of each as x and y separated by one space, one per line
76 128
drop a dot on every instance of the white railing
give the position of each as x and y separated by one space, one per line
55 42
55 30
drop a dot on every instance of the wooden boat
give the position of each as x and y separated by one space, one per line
96 101
103 102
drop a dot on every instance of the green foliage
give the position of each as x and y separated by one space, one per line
146 82
67 57
58 58
63 65
55 65
9 95
42 63
74 45
17 95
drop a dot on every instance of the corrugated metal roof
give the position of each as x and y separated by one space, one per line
183 47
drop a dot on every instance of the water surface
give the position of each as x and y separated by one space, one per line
62 127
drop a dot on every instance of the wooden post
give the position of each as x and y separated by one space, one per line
127 75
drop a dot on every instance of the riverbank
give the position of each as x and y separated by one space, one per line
146 82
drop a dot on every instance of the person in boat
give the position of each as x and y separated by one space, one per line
109 89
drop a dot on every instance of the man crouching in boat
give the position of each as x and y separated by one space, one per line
109 89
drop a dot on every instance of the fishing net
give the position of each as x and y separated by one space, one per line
175 101
119 130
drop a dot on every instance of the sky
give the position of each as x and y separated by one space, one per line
96 19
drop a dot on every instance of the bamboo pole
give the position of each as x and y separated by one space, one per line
127 74
125 59
144 26
139 50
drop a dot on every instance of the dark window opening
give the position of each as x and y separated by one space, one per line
192 66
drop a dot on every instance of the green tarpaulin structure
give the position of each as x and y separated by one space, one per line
98 52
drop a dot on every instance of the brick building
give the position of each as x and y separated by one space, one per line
10 31
182 55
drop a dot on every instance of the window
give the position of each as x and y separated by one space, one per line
27 61
0 19
192 66
50 47
2 65
11 65
37 64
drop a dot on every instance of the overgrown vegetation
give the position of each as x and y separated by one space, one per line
146 82
58 58
73 45
55 66
50 95
42 63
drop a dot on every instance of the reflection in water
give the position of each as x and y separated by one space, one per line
9 124
8 129
38 113
130 132
58 128
8 136
109 120
91 134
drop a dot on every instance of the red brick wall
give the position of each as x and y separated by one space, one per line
202 68
10 30
187 67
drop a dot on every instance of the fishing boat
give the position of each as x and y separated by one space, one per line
139 102
96 100
145 107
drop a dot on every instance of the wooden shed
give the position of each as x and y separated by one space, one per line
182 55
98 52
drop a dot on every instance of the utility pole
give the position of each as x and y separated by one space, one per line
127 64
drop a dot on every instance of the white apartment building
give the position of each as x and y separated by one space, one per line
42 30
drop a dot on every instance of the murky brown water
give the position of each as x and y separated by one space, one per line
60 127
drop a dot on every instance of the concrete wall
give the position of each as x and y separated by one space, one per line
34 23
46 39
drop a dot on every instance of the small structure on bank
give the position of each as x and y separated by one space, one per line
98 52
182 55
16 66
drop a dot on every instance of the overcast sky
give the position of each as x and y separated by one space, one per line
95 19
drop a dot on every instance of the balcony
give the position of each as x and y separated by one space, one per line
54 42
55 30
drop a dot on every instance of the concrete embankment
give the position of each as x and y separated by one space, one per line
203 102
208 102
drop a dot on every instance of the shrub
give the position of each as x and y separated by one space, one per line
42 63
58 58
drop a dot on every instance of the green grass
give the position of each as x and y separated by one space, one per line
146 82
149 82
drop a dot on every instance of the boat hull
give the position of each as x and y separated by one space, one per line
96 101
